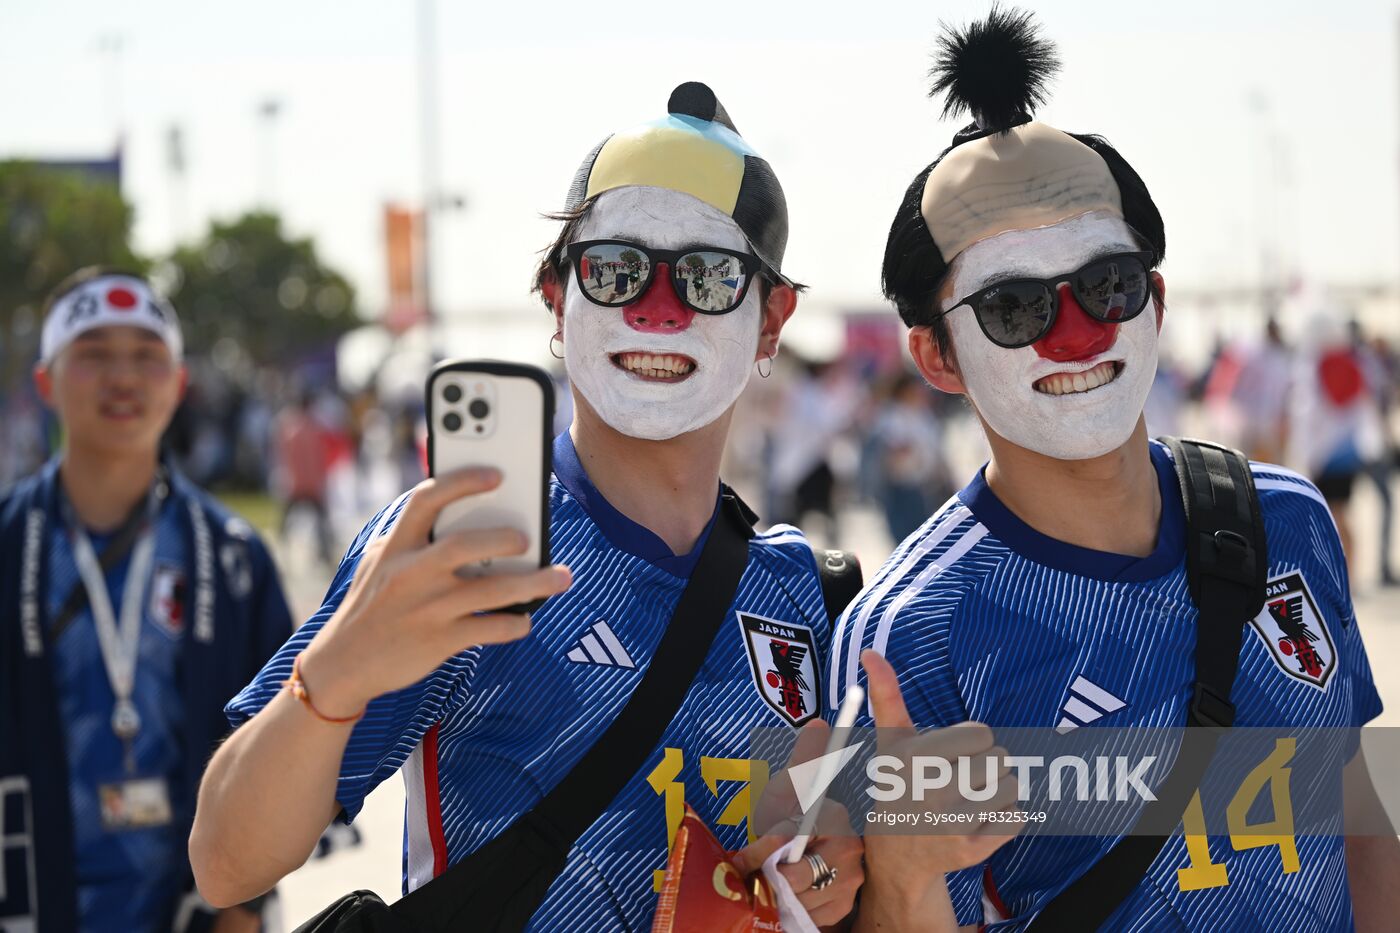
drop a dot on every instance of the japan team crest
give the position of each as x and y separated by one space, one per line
783 656
169 599
1295 632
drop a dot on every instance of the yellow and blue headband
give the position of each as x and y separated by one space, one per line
695 150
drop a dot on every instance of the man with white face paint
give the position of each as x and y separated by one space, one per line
1052 590
657 369
666 290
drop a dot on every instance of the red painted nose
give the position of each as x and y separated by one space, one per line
1076 335
658 310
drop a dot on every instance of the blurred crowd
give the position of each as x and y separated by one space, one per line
820 438
328 459
824 437
1322 404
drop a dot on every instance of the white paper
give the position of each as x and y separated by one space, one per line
790 910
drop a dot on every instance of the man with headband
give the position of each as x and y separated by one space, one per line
667 293
132 606
1051 591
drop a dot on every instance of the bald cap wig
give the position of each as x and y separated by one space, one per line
1005 170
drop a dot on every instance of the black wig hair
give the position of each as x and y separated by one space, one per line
997 70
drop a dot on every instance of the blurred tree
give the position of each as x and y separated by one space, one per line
270 296
52 221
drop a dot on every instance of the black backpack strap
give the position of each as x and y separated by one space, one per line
500 885
1227 564
841 579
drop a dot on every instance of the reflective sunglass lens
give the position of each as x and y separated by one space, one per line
613 273
1014 314
1114 289
712 281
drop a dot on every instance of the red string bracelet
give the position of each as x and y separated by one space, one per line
299 691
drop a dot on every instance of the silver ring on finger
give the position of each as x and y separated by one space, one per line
822 873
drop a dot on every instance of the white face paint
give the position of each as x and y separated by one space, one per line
1002 383
722 346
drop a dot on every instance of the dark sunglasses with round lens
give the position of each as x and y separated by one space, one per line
1018 312
707 279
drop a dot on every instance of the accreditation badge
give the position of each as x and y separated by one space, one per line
134 803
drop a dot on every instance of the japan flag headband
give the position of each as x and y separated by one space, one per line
109 301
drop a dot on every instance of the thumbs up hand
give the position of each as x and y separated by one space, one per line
966 747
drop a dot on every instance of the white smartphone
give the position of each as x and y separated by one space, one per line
489 413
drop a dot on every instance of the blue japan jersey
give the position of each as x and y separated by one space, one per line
484 737
127 879
984 618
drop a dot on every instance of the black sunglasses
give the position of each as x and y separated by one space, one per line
1018 312
707 279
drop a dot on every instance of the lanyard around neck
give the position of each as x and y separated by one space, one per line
119 639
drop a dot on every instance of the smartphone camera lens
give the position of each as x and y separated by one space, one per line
452 394
479 408
452 421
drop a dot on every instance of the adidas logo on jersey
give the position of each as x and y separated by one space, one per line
1087 702
600 646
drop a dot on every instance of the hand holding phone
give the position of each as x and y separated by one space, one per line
498 415
468 554
406 611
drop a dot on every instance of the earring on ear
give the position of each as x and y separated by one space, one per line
762 374
559 337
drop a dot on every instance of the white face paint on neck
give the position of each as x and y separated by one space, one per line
722 347
1001 382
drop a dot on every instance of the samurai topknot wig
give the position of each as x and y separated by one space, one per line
1004 170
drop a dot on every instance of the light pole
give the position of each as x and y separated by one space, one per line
111 45
428 142
268 111
175 164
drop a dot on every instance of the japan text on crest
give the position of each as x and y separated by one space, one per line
1295 632
783 656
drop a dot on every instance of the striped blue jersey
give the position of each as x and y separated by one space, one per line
985 618
127 879
484 737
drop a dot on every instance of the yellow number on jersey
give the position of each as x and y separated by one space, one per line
1202 872
663 780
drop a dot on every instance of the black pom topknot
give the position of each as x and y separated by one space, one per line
995 69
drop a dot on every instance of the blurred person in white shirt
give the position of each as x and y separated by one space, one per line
1334 412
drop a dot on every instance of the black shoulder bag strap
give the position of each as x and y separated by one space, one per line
1226 568
500 885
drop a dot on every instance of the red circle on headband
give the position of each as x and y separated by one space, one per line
122 299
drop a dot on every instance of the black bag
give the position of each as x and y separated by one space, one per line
499 886
841 579
1227 565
